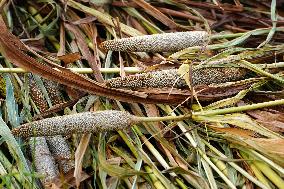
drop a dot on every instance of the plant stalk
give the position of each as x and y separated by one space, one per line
79 70
238 109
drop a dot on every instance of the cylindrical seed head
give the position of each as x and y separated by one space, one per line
87 122
53 90
44 162
57 144
37 95
157 79
217 75
60 150
171 78
166 42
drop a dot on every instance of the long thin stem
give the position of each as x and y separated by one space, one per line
235 166
79 70
165 118
116 70
240 108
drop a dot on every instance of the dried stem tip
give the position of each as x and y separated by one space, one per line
87 122
165 42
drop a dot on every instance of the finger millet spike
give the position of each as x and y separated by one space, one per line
87 122
166 42
171 78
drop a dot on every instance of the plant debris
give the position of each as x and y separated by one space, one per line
142 94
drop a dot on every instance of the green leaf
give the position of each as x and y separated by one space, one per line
11 106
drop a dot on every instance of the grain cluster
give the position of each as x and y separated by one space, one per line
60 150
43 159
87 122
56 145
171 78
166 42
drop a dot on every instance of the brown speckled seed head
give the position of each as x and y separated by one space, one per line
43 160
157 79
171 78
37 95
87 122
217 75
61 152
53 90
166 42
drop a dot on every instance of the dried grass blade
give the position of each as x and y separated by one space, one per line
274 23
13 49
156 14
258 70
85 51
79 154
104 18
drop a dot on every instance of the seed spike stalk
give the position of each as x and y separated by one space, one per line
113 120
268 161
79 70
270 174
235 166
126 69
238 109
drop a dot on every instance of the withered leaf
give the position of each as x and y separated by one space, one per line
15 51
156 14
66 181
271 120
85 51
70 58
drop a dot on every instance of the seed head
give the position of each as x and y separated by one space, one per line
217 75
158 79
61 152
166 42
171 78
44 162
37 95
53 90
87 122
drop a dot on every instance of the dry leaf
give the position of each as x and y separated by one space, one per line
271 120
79 154
70 58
